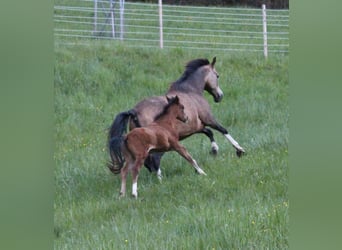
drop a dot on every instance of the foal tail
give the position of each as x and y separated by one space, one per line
116 139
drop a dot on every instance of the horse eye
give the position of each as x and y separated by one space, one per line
217 75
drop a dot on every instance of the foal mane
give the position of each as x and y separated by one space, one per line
171 101
190 68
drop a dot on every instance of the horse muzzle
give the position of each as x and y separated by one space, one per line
218 97
185 120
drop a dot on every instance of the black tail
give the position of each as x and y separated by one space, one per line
116 138
115 151
119 125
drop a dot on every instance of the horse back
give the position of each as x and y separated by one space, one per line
148 109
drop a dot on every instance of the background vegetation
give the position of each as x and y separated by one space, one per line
242 203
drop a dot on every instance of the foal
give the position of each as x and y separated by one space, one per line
159 136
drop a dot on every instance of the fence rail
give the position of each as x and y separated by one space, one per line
138 25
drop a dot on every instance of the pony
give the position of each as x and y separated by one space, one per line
129 152
200 75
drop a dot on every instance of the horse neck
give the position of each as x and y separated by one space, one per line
197 83
192 84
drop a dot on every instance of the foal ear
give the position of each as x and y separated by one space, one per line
168 99
213 62
176 100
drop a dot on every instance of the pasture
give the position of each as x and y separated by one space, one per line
242 203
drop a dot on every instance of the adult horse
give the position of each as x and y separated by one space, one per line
199 75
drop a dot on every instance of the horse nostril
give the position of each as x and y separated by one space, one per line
218 98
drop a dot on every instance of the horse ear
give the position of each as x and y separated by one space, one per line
213 62
168 99
176 99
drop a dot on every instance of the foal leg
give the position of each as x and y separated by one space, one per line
214 146
124 172
135 174
183 152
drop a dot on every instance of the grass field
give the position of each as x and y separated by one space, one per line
241 204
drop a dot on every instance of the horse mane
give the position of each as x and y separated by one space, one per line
171 101
190 68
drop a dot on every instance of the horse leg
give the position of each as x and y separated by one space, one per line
183 152
218 127
135 174
152 162
124 172
214 146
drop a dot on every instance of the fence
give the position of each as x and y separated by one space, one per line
141 25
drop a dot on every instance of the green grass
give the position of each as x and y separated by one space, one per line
240 204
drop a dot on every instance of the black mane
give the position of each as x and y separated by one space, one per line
190 68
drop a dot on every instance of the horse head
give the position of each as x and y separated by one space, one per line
178 108
211 82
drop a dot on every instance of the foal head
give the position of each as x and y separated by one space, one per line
211 82
176 108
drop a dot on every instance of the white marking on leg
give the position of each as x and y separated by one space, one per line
135 189
214 147
159 174
198 169
234 143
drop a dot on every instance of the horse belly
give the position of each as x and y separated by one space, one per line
192 126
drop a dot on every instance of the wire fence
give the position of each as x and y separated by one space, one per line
139 25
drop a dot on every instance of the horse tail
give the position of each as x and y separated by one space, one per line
119 125
116 139
115 152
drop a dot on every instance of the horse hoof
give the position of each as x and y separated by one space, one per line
213 152
214 148
239 153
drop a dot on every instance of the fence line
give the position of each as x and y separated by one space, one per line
192 27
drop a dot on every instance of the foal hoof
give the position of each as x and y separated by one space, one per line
201 172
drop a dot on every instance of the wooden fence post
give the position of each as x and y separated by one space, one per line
122 10
264 22
95 18
112 16
161 24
